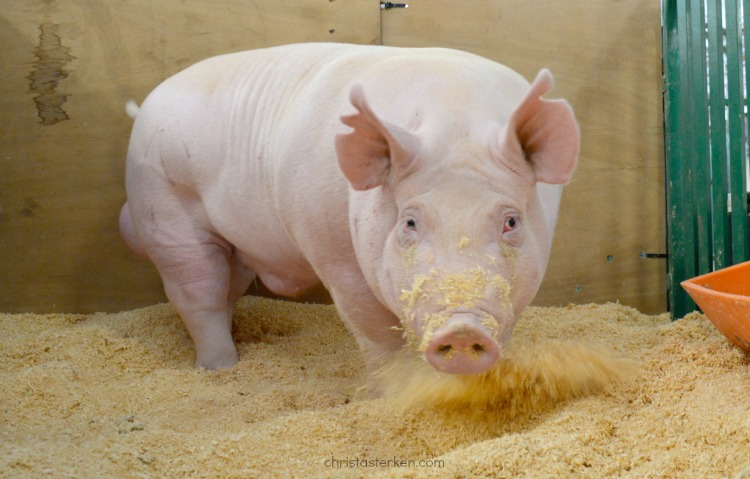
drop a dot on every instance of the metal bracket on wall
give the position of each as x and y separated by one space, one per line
389 5
645 255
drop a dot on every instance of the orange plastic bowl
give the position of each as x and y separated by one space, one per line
724 296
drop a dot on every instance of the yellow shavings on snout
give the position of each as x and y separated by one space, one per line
411 296
467 288
432 322
464 289
490 324
456 290
463 242
525 381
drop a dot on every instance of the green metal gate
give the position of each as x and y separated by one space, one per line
705 113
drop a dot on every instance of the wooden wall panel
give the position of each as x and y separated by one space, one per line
62 162
606 60
61 180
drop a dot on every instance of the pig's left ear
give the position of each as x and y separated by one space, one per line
544 132
374 149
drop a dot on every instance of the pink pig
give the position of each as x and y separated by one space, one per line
427 209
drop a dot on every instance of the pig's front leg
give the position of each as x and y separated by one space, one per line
377 330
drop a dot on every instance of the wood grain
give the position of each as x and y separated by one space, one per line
61 184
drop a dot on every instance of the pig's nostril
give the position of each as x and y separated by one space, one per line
447 350
444 349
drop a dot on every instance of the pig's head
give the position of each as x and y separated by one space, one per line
451 234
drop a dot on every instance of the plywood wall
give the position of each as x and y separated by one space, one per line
68 67
63 137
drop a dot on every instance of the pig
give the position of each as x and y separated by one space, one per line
421 186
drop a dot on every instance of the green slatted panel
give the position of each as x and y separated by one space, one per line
720 187
698 168
705 81
737 133
681 260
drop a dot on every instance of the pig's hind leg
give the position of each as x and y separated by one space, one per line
202 278
127 231
197 281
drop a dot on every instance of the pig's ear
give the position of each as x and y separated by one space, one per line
544 132
374 149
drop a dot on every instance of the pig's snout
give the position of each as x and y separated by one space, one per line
462 346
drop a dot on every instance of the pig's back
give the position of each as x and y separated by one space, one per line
252 115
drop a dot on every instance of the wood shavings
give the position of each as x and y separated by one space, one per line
121 392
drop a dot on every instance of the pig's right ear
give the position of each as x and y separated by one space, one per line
545 133
374 149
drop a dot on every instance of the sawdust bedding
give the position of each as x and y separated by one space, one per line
587 391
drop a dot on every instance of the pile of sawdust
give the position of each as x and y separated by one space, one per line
116 395
528 378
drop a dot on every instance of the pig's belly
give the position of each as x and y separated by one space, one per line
269 253
248 221
280 275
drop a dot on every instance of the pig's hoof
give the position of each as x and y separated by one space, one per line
217 361
462 348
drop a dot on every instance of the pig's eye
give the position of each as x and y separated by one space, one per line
409 226
511 222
